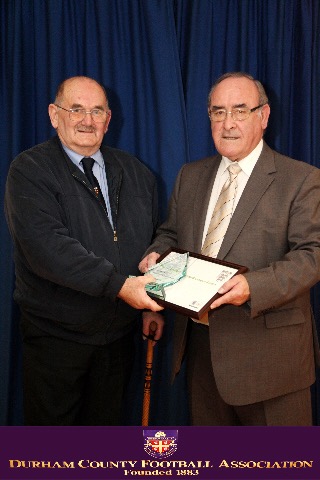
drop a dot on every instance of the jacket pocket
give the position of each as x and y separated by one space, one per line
285 317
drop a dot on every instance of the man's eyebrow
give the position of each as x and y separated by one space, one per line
218 107
78 105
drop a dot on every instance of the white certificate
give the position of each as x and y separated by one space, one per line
196 290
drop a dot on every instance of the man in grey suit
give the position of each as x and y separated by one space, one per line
253 362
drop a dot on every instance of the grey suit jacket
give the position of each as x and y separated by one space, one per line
265 348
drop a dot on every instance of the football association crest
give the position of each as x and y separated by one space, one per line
160 443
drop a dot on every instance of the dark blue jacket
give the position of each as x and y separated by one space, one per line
70 264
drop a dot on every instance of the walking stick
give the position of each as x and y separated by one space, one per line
148 375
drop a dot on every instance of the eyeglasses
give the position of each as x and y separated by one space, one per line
237 114
78 114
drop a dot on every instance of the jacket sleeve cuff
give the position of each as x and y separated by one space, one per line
114 285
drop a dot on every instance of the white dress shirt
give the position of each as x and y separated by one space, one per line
247 164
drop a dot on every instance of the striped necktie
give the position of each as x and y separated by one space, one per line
222 213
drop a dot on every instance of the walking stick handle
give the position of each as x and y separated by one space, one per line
148 375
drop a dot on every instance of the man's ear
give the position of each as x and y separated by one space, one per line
265 112
107 121
53 114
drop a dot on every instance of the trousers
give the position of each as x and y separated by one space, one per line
207 407
68 383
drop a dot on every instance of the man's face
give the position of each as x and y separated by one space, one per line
236 139
85 136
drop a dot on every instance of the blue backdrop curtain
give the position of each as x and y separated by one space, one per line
157 59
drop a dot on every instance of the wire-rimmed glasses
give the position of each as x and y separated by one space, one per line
237 113
78 114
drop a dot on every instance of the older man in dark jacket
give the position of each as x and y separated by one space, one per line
78 234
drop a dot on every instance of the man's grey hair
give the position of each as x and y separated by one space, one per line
263 98
60 89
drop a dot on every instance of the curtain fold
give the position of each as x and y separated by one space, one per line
157 59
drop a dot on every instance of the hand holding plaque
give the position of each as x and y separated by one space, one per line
167 272
188 282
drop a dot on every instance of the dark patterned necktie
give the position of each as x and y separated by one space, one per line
88 163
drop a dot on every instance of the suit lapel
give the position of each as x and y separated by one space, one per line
202 197
259 181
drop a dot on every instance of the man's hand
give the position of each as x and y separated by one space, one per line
148 261
235 291
147 318
133 292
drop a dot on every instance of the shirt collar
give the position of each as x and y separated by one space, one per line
77 157
248 163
